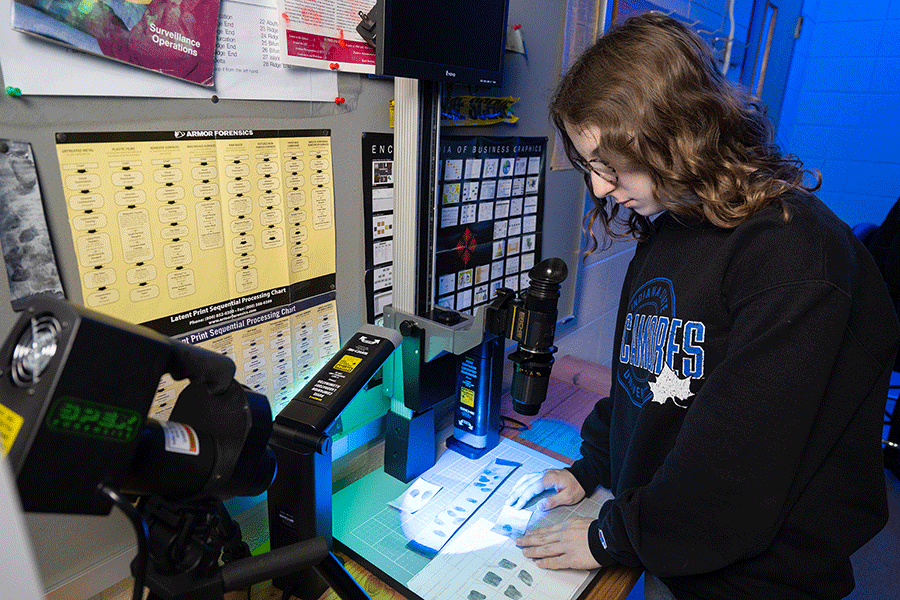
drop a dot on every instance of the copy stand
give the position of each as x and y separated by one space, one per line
300 510
185 541
300 497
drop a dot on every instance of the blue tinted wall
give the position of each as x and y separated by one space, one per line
840 111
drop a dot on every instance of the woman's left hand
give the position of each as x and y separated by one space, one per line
560 546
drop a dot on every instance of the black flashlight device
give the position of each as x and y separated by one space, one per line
535 328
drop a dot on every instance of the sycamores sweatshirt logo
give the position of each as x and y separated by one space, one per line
660 354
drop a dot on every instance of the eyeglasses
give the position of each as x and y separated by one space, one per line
601 168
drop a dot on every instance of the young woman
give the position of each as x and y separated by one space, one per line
753 346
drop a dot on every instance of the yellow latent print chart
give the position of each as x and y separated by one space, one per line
175 229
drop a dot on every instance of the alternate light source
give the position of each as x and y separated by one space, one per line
36 347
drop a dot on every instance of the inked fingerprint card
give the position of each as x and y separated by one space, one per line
479 564
417 495
437 533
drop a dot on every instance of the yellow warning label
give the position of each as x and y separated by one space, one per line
467 396
10 424
347 363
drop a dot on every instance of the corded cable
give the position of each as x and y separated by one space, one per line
141 532
520 426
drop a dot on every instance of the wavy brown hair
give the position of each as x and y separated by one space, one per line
652 90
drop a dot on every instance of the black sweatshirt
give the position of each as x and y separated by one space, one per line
742 436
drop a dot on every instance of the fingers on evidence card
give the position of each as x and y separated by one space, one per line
512 522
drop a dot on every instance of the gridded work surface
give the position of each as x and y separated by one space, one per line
365 523
488 566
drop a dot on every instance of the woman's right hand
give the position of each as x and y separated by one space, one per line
568 490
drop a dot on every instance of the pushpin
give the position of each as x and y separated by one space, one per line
341 41
339 100
334 66
287 19
13 91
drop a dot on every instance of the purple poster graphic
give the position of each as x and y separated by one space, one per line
172 37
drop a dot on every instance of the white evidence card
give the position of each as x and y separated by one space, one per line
434 535
417 495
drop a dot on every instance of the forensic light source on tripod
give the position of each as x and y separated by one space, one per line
79 388
76 387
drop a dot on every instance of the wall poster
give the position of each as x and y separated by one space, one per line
199 234
24 237
489 221
490 217
276 351
322 34
175 38
378 208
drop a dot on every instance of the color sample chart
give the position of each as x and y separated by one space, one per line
490 217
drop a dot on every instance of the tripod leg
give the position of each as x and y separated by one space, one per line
343 584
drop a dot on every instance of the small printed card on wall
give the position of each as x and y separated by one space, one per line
27 248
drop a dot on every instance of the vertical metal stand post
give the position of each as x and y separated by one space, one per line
409 438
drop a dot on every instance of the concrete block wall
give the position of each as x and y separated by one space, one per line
840 112
589 334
